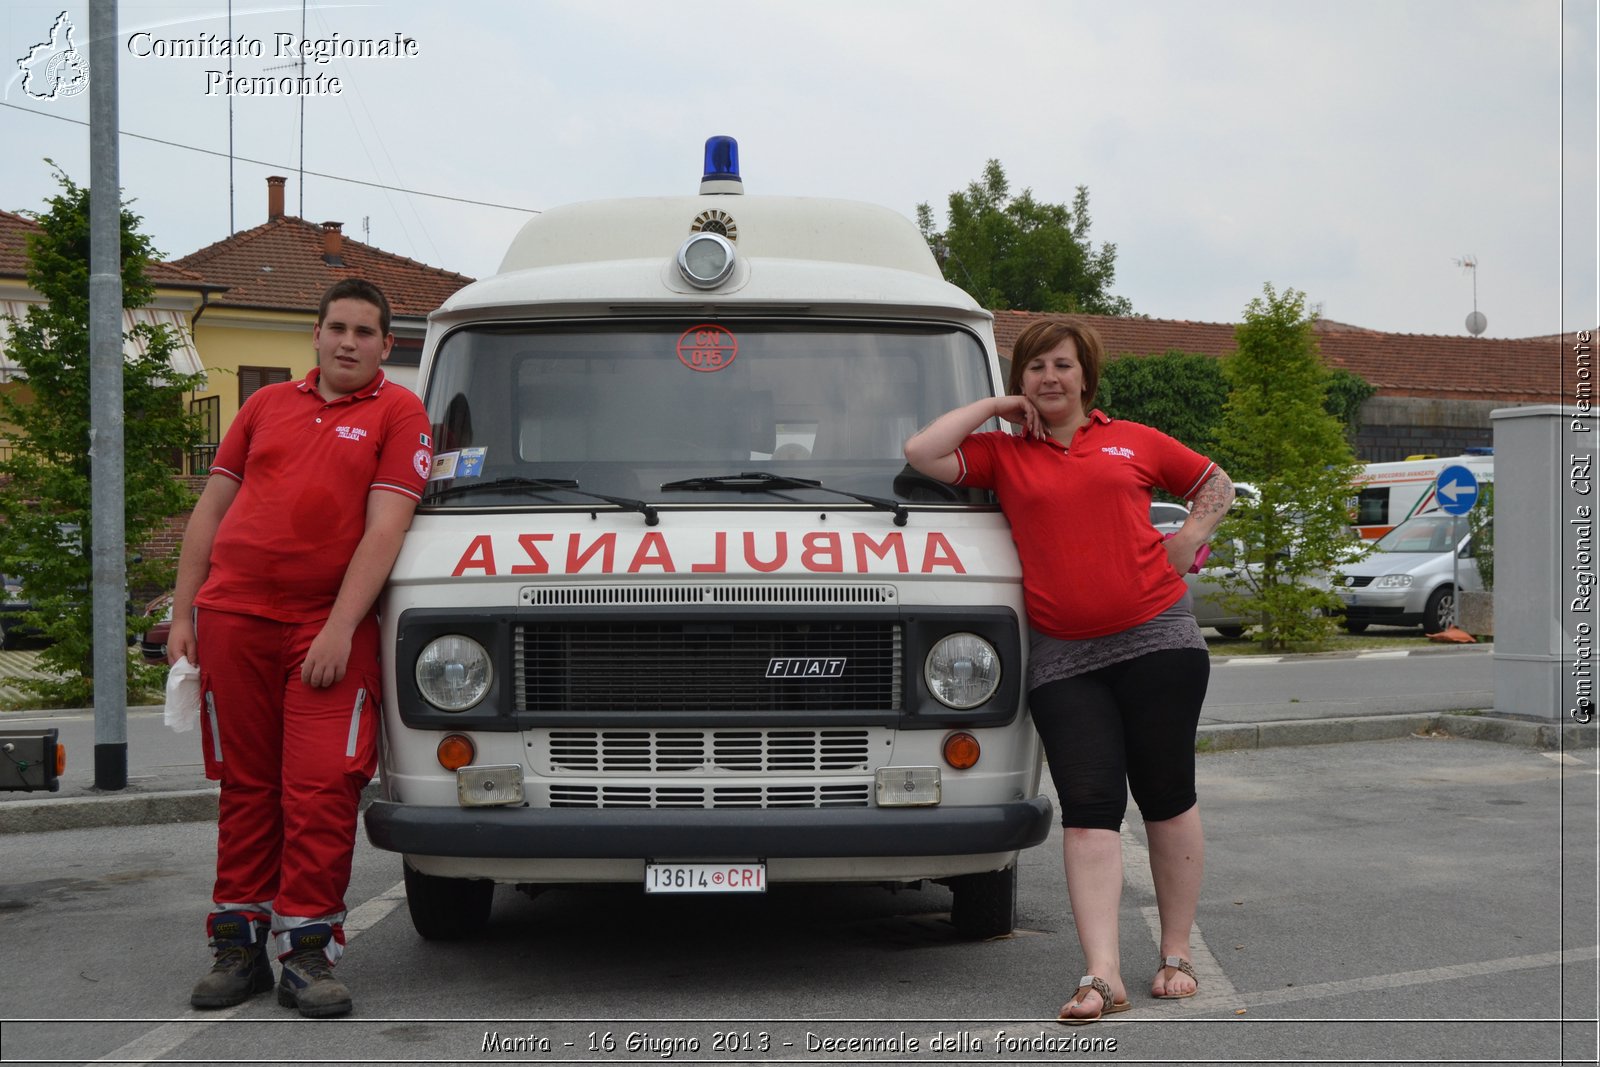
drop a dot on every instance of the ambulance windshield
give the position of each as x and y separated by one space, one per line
623 409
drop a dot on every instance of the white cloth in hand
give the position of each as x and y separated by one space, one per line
183 695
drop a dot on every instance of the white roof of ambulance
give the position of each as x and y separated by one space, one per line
827 256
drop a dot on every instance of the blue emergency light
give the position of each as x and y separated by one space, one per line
722 159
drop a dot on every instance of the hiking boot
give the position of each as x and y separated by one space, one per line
240 967
308 982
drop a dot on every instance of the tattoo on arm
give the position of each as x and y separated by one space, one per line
1214 498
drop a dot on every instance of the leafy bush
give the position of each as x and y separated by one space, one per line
1480 521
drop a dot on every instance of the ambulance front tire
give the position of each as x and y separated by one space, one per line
985 905
447 909
1353 627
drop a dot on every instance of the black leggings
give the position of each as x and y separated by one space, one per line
1127 726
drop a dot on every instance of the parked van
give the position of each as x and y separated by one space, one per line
1411 576
673 611
1387 494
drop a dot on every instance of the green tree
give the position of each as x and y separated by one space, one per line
45 482
1480 521
1178 393
1018 253
1277 434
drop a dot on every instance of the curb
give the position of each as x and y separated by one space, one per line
134 809
131 809
200 805
1539 735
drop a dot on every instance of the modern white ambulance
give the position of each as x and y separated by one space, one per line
673 610
1387 494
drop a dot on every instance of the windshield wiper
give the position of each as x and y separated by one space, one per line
462 488
763 482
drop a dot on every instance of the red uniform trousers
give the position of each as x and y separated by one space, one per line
292 761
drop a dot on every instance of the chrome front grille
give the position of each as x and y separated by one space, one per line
686 665
778 751
829 795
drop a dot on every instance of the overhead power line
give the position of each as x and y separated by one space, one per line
283 166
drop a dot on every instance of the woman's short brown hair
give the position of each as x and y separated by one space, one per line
1045 335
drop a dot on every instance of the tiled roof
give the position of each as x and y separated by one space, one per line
14 233
16 229
279 265
1523 371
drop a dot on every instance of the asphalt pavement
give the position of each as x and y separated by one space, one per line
1422 892
166 776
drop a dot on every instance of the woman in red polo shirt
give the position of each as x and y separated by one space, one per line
1118 668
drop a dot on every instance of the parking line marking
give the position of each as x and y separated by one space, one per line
1452 973
155 1045
1215 991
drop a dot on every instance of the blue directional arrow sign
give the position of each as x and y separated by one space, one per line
1457 489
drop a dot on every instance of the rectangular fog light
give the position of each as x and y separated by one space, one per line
489 787
908 787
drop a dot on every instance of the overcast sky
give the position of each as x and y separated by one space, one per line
1353 150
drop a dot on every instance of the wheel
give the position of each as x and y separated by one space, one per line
1354 627
1230 631
985 905
447 909
1441 610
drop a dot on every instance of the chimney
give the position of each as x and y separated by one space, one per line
333 244
275 197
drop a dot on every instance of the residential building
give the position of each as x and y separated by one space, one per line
178 294
257 329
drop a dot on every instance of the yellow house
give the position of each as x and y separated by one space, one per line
253 323
179 294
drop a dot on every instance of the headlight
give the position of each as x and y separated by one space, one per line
454 672
962 671
1394 581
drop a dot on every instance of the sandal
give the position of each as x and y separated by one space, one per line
1087 984
1178 963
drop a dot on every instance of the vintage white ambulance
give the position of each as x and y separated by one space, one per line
673 610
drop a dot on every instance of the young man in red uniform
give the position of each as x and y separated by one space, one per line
309 498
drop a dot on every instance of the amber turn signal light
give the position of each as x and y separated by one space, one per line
456 751
961 750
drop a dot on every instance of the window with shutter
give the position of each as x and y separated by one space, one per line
253 378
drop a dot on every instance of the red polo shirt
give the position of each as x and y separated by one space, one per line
305 466
1091 562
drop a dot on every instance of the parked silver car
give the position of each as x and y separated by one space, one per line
1205 585
1409 579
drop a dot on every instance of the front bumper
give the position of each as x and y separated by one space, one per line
709 833
1395 607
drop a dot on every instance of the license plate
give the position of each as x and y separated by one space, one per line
705 878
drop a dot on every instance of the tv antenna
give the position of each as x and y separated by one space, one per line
1477 322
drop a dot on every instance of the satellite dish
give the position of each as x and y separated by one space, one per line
1477 322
